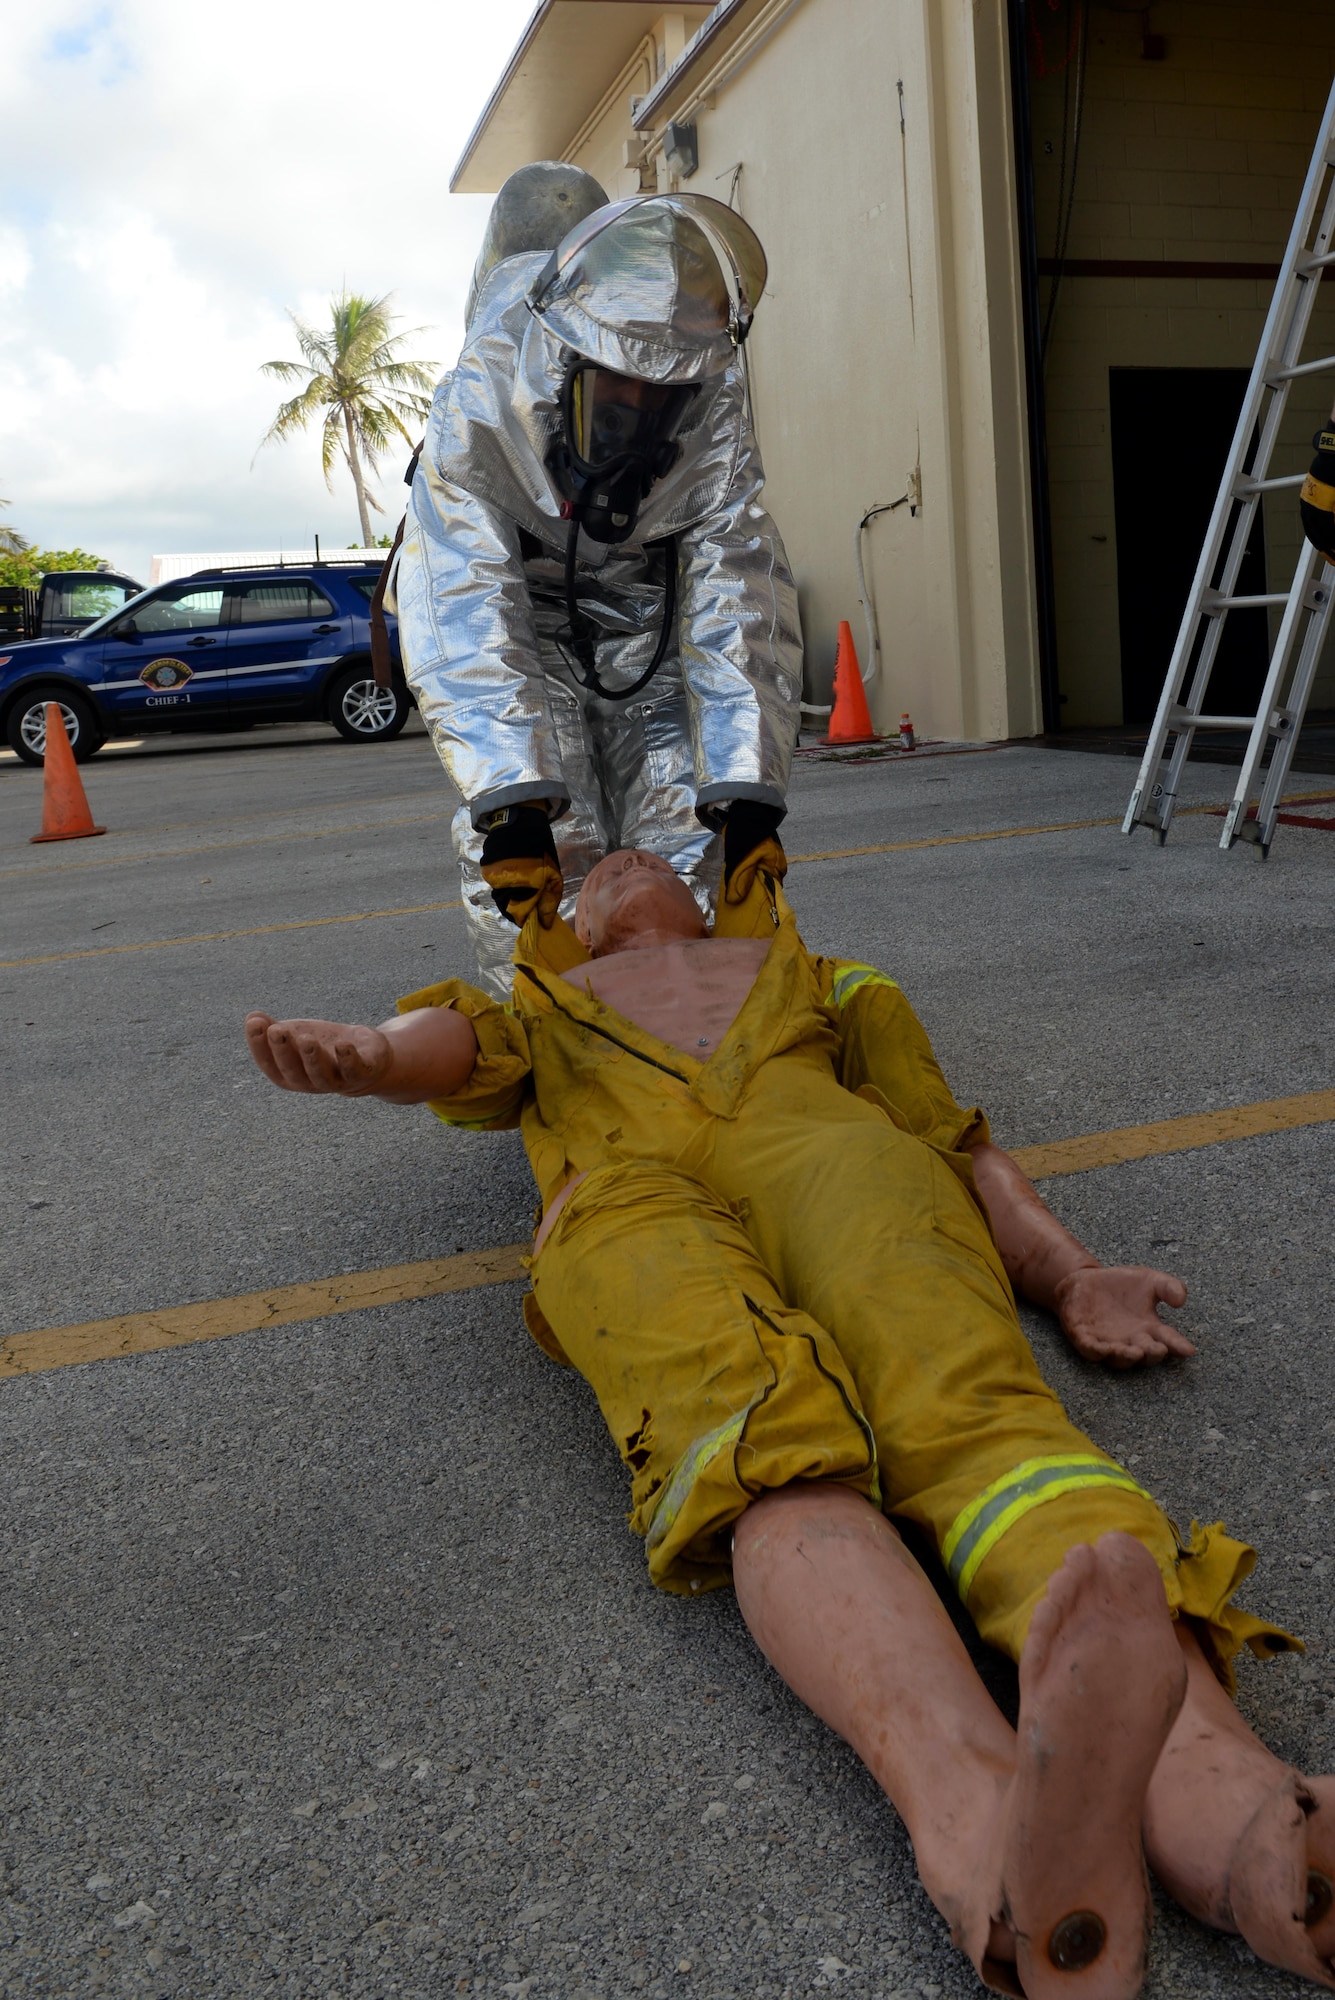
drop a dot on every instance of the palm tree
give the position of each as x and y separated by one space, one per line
353 374
12 543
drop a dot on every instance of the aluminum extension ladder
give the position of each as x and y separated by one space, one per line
1307 602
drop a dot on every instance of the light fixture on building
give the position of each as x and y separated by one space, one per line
680 150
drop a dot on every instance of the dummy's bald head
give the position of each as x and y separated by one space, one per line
634 899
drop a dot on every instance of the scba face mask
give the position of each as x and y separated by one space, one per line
618 437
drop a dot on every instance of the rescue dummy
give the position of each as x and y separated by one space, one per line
596 612
782 1255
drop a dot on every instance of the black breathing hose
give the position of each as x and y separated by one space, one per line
579 635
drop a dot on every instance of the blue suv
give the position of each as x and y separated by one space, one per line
219 650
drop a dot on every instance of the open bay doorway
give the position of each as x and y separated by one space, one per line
1171 430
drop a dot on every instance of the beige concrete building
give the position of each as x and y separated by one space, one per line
924 174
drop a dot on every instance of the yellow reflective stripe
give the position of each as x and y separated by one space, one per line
849 978
688 1469
1317 494
978 1528
466 1124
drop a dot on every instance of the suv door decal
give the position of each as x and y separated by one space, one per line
167 658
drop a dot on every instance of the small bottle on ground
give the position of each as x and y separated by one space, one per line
907 738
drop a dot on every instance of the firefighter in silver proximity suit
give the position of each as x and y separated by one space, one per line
596 613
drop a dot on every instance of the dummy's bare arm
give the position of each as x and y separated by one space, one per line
407 1060
1106 1312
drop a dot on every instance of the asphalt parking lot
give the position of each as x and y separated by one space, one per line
328 1663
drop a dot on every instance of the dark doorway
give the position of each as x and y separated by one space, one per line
1171 430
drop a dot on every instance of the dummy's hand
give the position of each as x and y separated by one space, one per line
319 1056
428 1053
1108 1314
520 865
1316 501
751 842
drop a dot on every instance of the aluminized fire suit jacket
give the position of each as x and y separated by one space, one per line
478 593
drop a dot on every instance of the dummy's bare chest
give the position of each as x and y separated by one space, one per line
687 994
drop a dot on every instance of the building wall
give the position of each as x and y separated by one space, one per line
599 147
1200 156
886 356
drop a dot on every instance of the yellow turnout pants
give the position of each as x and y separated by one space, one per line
812 1293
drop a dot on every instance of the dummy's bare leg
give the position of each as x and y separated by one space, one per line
1240 1839
1030 1847
838 1605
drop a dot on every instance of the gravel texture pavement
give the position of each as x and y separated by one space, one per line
327 1663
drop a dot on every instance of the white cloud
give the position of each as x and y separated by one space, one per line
15 263
173 179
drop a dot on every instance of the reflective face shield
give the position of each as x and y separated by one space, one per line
614 415
618 437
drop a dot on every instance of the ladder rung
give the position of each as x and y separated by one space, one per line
1306 264
1243 489
1214 605
1302 368
1180 718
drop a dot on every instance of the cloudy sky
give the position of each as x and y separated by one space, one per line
172 179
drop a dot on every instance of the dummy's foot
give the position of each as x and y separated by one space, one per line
1280 1881
1242 1840
1319 1902
1101 1681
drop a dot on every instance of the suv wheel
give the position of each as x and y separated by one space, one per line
25 725
363 712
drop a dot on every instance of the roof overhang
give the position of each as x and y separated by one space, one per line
723 27
568 58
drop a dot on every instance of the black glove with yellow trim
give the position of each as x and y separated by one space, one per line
1316 501
750 843
519 864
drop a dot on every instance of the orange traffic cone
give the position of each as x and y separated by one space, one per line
65 814
851 720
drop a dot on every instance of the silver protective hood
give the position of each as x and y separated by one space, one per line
662 286
478 595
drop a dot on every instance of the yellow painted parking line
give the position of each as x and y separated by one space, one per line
417 819
1026 832
215 1319
217 937
952 840
270 813
219 846
1175 1135
362 917
251 1312
121 743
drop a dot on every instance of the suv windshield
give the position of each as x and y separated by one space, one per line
111 617
175 607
